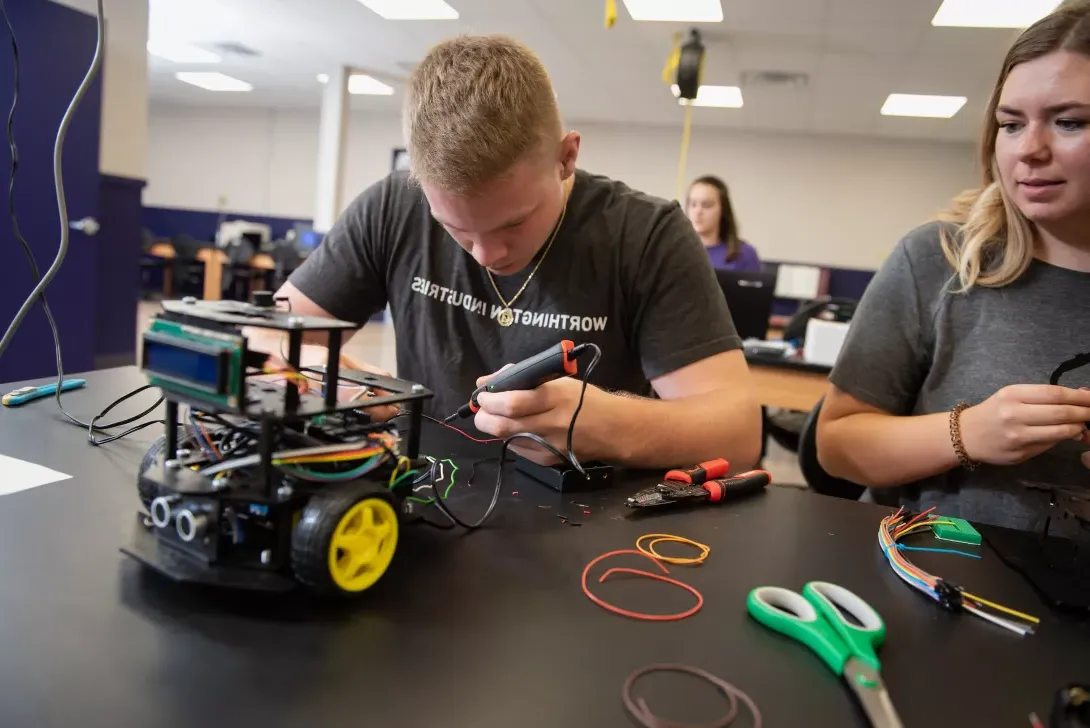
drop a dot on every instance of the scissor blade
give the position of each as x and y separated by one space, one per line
867 685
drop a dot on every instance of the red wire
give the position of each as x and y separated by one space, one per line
463 433
915 520
639 615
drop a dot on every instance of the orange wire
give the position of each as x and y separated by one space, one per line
639 615
665 537
204 434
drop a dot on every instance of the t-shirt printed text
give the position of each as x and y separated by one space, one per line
472 304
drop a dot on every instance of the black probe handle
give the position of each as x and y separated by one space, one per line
723 489
530 373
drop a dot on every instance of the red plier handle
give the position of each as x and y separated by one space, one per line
738 485
702 473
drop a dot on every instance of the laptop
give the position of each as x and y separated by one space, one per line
749 297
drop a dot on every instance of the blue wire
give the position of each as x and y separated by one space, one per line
939 551
205 445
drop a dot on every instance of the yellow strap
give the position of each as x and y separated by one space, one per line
611 13
672 60
686 133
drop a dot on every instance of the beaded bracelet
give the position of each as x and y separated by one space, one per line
955 436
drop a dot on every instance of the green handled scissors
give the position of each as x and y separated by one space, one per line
813 618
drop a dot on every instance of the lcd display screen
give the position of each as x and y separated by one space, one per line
183 365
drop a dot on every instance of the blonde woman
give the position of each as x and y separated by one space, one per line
941 395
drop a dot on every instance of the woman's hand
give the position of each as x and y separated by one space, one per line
1022 421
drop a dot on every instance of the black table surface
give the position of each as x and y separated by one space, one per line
487 629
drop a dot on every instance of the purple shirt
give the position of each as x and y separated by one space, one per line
747 259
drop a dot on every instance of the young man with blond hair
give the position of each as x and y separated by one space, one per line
495 247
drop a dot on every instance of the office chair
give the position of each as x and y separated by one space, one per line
785 427
815 475
188 271
829 307
238 273
286 258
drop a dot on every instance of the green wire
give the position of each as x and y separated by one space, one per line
319 475
403 476
453 470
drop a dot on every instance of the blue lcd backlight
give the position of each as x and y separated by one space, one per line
183 365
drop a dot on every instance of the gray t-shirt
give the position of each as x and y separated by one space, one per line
626 272
916 347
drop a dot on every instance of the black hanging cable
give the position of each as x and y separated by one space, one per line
11 185
92 427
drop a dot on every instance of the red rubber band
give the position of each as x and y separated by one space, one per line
639 615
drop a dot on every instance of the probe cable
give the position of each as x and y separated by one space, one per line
639 710
659 577
947 594
567 457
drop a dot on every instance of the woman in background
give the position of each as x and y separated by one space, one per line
708 207
941 395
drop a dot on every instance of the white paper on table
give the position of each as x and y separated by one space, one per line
17 475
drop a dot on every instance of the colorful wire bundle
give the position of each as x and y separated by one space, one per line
893 528
659 577
373 454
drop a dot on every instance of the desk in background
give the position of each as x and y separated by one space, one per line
788 383
488 630
214 260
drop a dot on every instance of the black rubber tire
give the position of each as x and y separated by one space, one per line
148 492
311 537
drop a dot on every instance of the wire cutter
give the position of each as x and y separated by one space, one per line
813 618
717 490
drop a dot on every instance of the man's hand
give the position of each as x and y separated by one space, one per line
547 412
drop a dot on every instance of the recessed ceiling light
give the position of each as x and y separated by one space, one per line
361 84
213 81
687 11
723 97
992 13
932 107
181 52
412 9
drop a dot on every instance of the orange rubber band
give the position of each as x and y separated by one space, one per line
639 615
680 561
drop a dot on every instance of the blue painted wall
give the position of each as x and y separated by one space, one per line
164 222
843 283
56 45
119 247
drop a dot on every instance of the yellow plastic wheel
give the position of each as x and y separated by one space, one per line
363 544
345 539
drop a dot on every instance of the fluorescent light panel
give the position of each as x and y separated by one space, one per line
412 9
678 11
211 81
722 97
992 13
181 52
931 107
361 84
